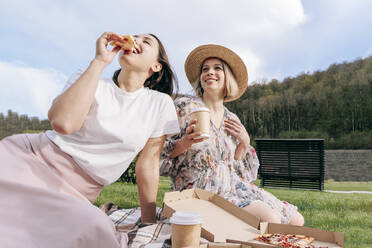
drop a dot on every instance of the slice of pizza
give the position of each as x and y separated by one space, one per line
126 43
300 240
286 240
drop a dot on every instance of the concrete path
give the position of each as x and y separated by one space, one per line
348 192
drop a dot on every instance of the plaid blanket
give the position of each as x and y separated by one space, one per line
141 235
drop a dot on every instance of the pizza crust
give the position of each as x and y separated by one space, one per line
127 43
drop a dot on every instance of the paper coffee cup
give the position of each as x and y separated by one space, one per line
186 229
203 123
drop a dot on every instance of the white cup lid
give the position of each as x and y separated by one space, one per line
199 109
203 135
186 218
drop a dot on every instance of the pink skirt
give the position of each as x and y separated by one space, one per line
46 198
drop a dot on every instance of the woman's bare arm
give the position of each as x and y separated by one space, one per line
69 110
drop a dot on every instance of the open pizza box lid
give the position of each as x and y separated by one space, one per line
225 222
222 220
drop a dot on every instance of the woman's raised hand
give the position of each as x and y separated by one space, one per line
187 140
236 129
103 54
190 137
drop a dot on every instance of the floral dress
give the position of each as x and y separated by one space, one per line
210 165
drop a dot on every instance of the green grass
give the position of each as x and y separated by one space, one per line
348 186
125 194
350 214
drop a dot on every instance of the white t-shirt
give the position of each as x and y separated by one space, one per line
117 128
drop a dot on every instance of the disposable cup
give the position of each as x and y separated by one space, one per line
203 124
186 229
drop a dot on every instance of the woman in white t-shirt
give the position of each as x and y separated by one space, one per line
48 181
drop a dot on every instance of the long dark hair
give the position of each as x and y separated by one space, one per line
165 80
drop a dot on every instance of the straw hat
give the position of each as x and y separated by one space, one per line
197 56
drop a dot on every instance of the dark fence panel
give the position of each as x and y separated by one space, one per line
291 163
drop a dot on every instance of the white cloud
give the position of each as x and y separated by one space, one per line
275 38
334 31
73 26
28 90
368 53
267 18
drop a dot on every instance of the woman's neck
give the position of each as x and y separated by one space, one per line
213 102
215 106
131 81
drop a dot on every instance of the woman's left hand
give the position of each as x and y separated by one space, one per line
238 130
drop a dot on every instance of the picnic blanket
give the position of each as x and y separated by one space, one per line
141 235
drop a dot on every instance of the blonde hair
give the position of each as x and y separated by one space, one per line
231 86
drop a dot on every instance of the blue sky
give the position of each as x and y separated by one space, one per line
43 42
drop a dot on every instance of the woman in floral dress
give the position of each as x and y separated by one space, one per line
225 163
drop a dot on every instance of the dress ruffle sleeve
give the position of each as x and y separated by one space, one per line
169 166
247 168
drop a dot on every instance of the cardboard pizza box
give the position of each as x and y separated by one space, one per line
222 220
226 222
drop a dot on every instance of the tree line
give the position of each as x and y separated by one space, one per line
13 123
334 104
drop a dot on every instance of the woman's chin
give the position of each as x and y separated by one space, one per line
212 87
124 59
213 91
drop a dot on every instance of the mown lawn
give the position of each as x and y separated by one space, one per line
350 214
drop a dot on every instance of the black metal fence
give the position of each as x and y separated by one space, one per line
291 163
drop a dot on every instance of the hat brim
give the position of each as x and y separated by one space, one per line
195 59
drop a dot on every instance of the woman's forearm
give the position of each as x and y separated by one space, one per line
240 151
147 172
68 111
180 147
147 183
